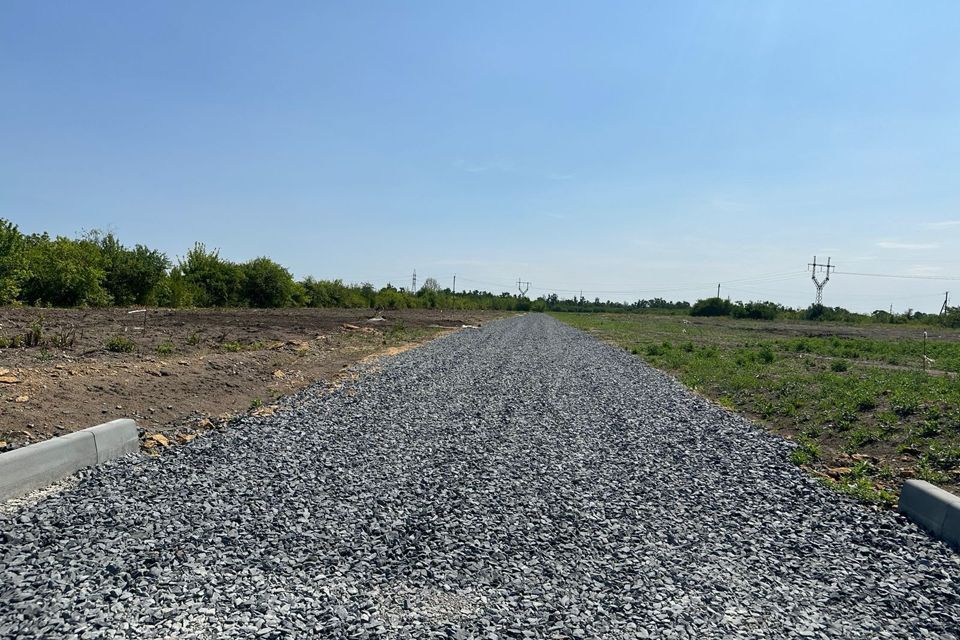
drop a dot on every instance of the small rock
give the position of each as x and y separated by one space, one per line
157 438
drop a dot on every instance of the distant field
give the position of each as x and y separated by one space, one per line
855 397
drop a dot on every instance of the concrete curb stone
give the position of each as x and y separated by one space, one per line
38 465
932 508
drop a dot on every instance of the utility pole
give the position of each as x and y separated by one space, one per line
946 299
523 287
813 266
454 284
413 288
718 289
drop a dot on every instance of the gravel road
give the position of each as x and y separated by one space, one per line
519 481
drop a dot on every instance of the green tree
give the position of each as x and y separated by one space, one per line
267 284
390 298
64 272
756 310
131 275
212 281
712 307
12 265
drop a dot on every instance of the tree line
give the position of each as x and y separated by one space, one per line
97 270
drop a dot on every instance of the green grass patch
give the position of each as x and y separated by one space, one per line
861 393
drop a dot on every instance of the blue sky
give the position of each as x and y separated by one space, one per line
628 149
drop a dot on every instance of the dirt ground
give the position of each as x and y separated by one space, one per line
186 370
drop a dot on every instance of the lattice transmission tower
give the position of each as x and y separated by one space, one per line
523 287
820 284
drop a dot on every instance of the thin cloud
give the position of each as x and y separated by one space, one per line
943 224
910 246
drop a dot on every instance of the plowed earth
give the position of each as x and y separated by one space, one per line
188 369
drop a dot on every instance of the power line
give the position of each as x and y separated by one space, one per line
913 296
766 278
891 275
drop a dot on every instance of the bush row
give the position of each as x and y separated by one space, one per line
97 270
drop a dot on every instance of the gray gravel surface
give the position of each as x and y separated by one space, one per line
518 481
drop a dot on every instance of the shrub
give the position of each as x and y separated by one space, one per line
757 310
212 281
165 348
121 344
712 307
267 285
839 365
131 276
64 272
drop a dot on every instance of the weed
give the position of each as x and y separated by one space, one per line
165 348
194 339
860 437
927 471
802 346
928 429
34 335
256 403
236 347
121 344
765 355
862 489
806 452
943 456
64 338
839 365
905 402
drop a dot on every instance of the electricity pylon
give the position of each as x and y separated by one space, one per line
813 266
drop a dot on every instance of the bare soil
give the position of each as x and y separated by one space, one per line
188 369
